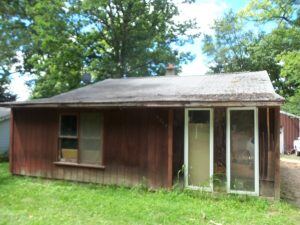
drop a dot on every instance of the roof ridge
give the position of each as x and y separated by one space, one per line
195 75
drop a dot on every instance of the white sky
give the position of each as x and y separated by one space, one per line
204 11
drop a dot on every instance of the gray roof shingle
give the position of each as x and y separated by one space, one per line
236 88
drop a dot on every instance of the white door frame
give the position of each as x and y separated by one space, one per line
256 152
186 147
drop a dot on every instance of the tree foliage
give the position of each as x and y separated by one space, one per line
106 38
279 11
290 72
228 48
11 36
234 47
133 37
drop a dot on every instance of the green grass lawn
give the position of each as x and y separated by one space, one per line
26 200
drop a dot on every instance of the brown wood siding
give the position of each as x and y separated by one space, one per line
291 131
178 144
34 142
135 147
268 119
220 140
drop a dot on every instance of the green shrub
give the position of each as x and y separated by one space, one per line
3 156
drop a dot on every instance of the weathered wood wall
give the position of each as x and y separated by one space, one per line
220 140
35 137
178 144
135 147
269 121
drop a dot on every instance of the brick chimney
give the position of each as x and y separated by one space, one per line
170 70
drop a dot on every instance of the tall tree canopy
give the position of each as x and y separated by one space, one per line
228 48
234 48
62 40
10 39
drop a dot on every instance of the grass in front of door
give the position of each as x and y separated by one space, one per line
26 200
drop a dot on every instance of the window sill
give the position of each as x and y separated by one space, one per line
79 165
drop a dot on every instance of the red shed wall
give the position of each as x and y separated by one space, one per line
134 147
290 127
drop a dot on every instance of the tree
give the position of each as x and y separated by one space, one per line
55 57
228 48
233 48
279 11
12 36
282 44
131 38
265 52
290 72
106 38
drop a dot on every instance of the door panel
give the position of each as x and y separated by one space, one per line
199 148
242 151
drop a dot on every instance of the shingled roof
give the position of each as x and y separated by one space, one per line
236 89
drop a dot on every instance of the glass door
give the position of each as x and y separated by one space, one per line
242 151
198 148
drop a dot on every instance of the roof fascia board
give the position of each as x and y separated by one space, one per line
148 104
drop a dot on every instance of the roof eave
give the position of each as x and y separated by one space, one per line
150 104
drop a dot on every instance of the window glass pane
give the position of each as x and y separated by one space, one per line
68 125
199 116
242 150
90 138
199 141
69 150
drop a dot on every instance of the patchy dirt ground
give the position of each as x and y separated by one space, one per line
290 179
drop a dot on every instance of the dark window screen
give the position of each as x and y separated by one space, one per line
68 125
201 116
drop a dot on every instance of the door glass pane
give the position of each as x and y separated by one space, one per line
198 145
242 150
90 138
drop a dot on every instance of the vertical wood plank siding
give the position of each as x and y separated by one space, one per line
269 129
178 144
135 147
220 140
170 147
291 131
34 141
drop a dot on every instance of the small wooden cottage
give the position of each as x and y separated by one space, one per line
155 131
